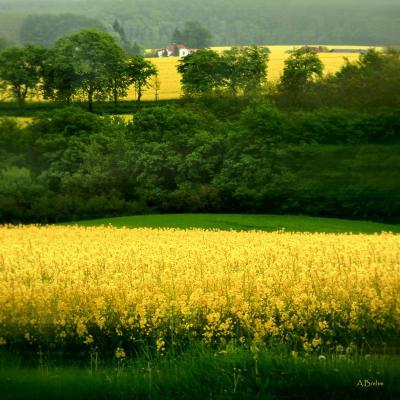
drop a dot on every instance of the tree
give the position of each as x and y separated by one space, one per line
246 68
203 73
118 28
132 49
175 52
302 68
139 72
92 56
60 79
371 81
20 70
119 80
194 35
135 49
177 36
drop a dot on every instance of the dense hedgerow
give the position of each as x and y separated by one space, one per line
73 165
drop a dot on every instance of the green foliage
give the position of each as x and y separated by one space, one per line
139 71
238 70
302 69
20 70
372 82
61 82
246 69
262 121
193 35
199 373
93 59
203 73
132 49
77 165
46 29
18 193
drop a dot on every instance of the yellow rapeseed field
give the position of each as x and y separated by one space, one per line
170 87
169 78
131 288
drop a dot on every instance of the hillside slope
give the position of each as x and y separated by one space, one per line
151 22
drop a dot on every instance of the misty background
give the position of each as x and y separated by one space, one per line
151 23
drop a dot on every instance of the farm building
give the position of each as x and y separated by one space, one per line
178 50
349 51
324 49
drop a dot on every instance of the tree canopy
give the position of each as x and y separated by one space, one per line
238 70
193 35
92 57
20 70
45 29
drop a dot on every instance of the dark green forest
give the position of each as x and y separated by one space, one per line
151 23
71 164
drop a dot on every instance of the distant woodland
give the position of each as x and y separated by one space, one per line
151 23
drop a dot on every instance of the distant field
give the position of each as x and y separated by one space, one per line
244 222
23 121
169 78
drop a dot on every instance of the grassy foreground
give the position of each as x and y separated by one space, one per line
244 222
204 374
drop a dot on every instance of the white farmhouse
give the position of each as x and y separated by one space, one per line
178 50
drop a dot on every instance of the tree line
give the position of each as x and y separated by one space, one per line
90 63
228 156
152 22
373 81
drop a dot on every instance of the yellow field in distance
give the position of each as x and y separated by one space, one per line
170 87
169 78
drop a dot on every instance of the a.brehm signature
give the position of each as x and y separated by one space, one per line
365 383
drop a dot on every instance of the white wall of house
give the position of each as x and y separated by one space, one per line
182 52
161 53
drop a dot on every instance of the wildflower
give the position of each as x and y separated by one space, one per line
120 353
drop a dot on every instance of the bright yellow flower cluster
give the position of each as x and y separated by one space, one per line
131 288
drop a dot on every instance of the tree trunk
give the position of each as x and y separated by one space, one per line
139 96
21 99
115 98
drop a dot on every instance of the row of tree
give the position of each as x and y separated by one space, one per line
371 81
238 70
90 63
